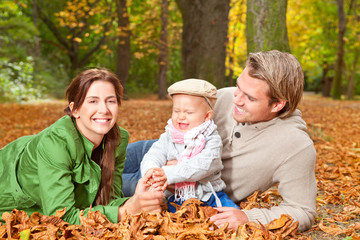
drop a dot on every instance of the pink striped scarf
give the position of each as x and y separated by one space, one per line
194 140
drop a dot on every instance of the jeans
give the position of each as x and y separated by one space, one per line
134 155
132 174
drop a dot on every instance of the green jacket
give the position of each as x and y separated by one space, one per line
53 170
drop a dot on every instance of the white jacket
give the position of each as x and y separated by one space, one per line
204 168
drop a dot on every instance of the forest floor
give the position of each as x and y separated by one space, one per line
333 125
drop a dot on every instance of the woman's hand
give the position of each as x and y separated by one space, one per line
143 200
233 216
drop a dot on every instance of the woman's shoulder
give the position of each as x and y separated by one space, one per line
124 133
63 129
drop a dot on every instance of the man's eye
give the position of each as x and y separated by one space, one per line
251 99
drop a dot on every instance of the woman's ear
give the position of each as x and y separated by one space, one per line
74 113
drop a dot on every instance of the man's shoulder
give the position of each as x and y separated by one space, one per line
291 129
222 106
227 92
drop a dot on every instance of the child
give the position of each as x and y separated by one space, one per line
192 140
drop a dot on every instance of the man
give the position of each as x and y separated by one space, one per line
264 141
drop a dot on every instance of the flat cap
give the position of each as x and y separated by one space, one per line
192 86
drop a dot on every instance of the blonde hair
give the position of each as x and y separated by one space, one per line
283 74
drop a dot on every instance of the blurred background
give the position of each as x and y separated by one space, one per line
150 44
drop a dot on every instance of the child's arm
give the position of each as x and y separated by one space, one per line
202 165
156 156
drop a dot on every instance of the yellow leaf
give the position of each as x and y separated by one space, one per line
79 40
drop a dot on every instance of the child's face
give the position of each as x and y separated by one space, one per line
189 111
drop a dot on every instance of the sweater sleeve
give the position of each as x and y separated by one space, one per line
297 186
156 157
202 165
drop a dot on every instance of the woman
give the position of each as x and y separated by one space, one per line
76 162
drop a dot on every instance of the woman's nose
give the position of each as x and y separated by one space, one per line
103 108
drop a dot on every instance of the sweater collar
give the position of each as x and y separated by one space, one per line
261 125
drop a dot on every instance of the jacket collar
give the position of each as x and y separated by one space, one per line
88 146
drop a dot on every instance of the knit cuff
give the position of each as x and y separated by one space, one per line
255 215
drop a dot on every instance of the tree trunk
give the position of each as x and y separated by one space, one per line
123 44
36 39
204 38
266 26
336 89
351 85
326 81
163 50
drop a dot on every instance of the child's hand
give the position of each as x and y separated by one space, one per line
159 179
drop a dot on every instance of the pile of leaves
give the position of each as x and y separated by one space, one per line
190 221
333 125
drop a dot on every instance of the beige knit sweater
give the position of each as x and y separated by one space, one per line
257 156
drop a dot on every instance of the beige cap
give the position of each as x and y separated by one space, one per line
195 87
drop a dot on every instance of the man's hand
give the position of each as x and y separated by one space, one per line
233 216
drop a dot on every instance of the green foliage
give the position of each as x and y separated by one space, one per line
16 32
17 82
311 25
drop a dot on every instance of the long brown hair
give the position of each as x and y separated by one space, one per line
76 93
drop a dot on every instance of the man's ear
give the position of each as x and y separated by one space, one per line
277 106
209 115
74 113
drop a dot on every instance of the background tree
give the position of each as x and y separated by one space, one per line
163 50
204 38
34 63
336 90
312 35
236 53
353 47
17 55
266 25
123 43
79 29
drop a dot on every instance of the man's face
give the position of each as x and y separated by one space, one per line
251 100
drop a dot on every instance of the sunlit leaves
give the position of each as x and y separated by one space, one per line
236 46
333 126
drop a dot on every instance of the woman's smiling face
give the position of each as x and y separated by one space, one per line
98 113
